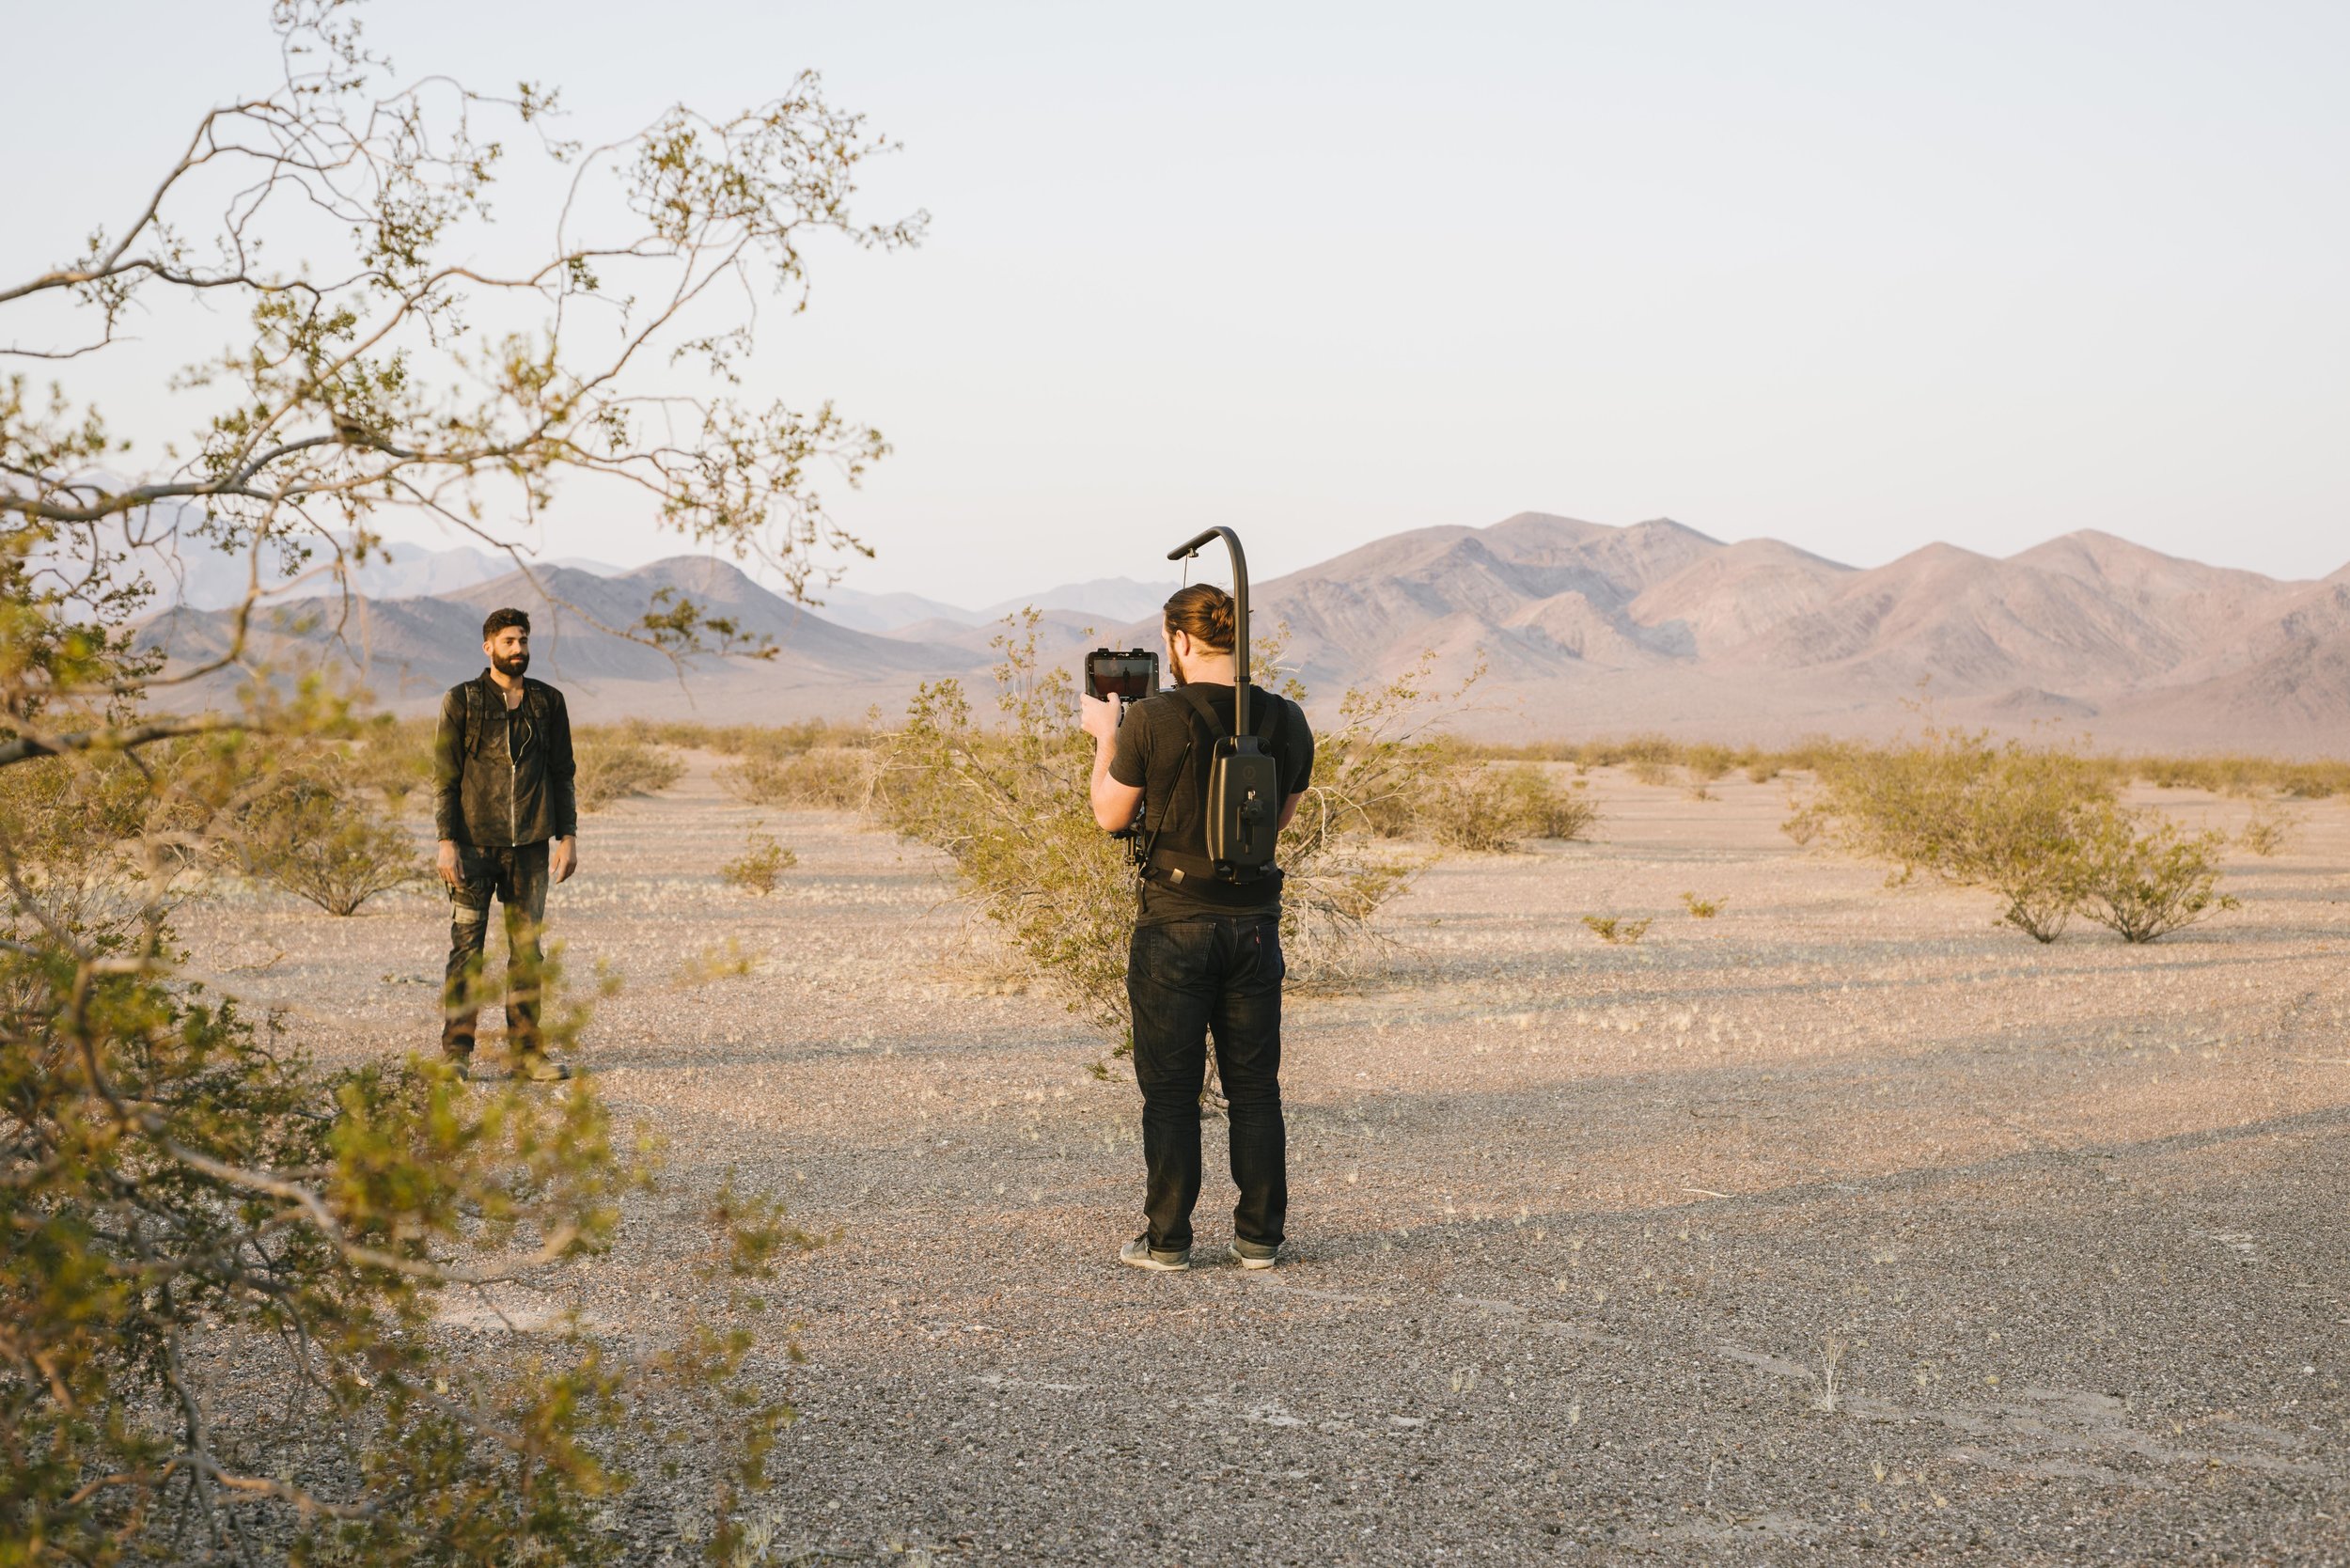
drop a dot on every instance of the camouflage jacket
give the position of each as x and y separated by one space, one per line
502 778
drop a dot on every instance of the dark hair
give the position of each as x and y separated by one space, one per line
1205 611
500 619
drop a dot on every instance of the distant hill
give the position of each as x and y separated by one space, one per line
1585 628
408 650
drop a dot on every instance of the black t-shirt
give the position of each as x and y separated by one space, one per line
1150 754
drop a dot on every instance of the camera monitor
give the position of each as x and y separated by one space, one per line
1130 676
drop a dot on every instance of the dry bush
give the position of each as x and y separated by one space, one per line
1615 929
2244 775
1007 803
615 764
1652 769
2144 877
2039 825
1468 808
2270 832
1700 909
1547 809
1707 762
822 777
314 835
762 862
1491 809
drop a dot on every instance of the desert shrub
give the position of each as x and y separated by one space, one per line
1490 809
763 860
1007 803
2144 877
1615 929
2038 825
1468 807
614 764
1545 809
318 834
1700 909
747 740
821 777
1652 769
1968 812
2269 833
1707 762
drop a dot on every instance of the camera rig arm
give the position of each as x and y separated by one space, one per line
1240 615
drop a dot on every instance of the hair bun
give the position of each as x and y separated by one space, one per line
1204 613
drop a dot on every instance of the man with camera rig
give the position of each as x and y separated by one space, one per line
1206 954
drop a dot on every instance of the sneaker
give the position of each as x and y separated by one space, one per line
460 1064
537 1069
1248 1254
1139 1253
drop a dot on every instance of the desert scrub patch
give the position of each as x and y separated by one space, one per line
819 777
2040 826
1007 803
760 865
1616 930
1700 909
321 823
1492 808
2143 876
2270 832
615 764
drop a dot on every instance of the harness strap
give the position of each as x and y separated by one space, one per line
1203 719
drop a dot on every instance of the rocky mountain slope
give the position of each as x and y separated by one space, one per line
1584 629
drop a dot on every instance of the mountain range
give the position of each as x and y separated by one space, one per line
1584 629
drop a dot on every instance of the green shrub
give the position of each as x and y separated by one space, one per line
1007 804
1617 930
1491 808
2269 833
1700 909
314 835
615 764
763 860
825 777
2038 825
1469 807
2144 877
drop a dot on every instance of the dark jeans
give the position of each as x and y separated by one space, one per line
1218 975
517 878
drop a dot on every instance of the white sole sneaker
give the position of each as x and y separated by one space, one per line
1138 1253
1245 1261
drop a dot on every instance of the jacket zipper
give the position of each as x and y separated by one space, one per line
513 781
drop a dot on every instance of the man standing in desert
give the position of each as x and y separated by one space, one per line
509 825
1206 955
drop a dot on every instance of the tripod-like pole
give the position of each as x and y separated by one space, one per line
1240 616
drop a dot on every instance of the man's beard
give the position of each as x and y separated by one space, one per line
510 664
1175 667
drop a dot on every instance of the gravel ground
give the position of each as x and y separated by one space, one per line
1844 1225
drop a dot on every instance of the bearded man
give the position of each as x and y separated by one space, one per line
509 825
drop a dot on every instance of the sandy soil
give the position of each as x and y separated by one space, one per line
1579 1230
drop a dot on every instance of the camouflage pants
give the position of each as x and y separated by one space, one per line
517 878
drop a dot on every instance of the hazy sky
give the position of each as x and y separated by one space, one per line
1854 275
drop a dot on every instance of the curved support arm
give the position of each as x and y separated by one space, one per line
1240 615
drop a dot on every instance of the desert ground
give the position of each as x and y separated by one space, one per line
1845 1226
